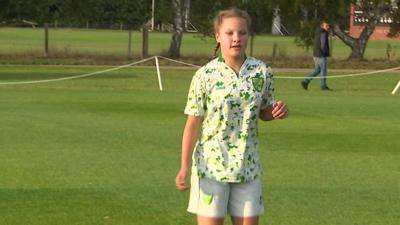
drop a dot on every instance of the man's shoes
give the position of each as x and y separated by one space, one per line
326 89
304 84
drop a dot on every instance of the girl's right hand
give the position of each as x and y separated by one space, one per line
180 180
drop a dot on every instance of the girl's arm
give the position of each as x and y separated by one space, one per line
189 138
278 110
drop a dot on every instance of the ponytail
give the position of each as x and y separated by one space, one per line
216 50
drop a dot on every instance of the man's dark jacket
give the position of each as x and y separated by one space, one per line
321 43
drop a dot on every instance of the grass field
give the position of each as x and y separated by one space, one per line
105 150
73 42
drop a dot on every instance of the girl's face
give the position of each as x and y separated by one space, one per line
233 36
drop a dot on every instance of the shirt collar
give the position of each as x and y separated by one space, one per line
221 59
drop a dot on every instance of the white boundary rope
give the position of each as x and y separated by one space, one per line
78 76
187 64
289 77
180 62
344 75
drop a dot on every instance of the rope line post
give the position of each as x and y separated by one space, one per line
158 73
396 88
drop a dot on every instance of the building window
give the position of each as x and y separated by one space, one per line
360 19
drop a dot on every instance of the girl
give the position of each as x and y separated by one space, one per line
226 98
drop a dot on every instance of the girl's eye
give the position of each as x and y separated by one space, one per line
229 33
243 32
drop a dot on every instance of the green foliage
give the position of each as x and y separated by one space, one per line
163 11
306 14
134 13
305 38
261 13
203 13
34 10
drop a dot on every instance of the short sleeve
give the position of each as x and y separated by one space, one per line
268 96
196 101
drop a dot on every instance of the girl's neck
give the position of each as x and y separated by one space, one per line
235 63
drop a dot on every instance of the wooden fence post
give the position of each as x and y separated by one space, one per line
130 44
46 40
145 42
274 51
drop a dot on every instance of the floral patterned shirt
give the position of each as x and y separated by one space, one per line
227 148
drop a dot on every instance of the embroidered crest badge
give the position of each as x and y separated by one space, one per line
258 83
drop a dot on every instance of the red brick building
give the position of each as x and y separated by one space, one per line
357 25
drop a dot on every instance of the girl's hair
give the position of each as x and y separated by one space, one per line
232 12
216 50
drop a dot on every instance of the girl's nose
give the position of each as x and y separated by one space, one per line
236 37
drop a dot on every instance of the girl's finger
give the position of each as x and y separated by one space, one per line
278 106
278 111
281 114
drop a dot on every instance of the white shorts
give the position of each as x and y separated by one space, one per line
211 198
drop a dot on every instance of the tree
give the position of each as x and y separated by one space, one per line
174 49
260 12
163 11
372 12
395 25
76 11
337 13
34 10
186 12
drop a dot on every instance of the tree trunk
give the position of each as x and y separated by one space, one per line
276 22
357 45
186 11
177 33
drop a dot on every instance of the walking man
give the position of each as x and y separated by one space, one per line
321 54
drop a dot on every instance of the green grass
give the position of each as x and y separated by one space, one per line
70 42
105 150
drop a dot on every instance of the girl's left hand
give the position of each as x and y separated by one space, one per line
279 110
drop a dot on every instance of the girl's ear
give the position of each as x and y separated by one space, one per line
217 37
